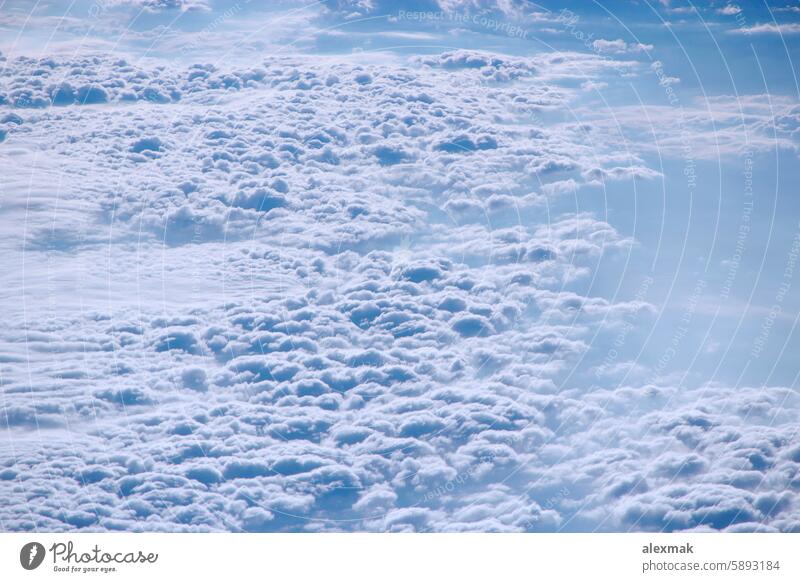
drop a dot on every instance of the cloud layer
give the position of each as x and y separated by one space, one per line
330 296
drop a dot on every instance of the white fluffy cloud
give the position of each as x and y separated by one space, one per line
619 46
326 296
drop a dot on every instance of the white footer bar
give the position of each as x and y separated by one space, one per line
400 557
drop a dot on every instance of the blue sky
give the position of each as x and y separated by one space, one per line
399 266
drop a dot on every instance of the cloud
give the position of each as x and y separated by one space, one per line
159 5
721 125
350 7
768 28
729 10
332 294
619 46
